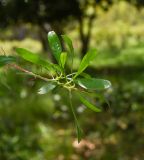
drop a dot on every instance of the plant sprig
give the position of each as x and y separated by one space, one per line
71 81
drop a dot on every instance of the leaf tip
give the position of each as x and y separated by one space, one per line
51 32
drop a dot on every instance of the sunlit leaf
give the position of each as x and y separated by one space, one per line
90 55
93 83
55 45
88 104
63 58
46 88
36 59
6 60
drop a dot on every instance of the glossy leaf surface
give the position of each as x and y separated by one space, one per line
46 88
55 45
93 83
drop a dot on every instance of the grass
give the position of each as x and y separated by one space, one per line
128 57
9 45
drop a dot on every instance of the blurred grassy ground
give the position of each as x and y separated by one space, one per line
9 45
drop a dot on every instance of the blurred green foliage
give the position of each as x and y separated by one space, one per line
38 127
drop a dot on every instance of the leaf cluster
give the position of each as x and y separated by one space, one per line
78 82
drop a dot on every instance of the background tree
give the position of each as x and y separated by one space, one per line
54 14
46 14
89 13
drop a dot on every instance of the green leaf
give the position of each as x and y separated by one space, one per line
69 45
68 42
63 58
70 48
6 60
88 104
85 75
79 130
90 55
55 45
93 83
46 88
34 58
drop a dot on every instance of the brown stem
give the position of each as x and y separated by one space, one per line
28 72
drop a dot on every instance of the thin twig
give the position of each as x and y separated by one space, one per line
29 72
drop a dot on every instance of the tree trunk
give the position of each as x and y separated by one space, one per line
85 37
43 38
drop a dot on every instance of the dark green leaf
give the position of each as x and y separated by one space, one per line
70 49
79 130
6 60
69 44
88 104
90 55
46 88
55 45
34 58
93 83
63 58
